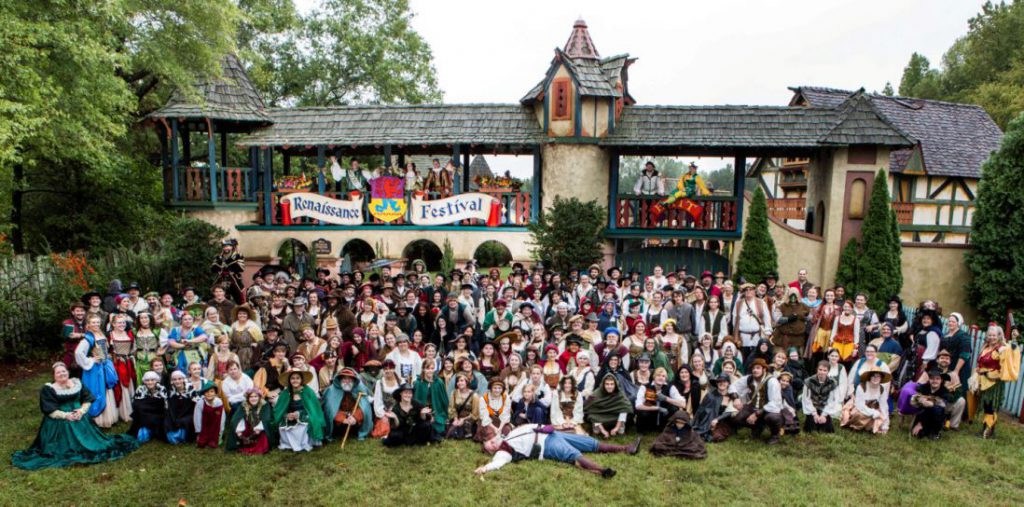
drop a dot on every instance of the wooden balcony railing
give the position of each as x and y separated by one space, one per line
788 209
634 212
234 184
515 210
904 212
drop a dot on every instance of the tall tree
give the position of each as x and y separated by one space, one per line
984 67
343 52
569 234
758 255
881 273
997 258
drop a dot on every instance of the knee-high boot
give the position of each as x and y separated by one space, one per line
590 466
628 449
989 426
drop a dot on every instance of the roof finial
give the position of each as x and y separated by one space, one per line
579 44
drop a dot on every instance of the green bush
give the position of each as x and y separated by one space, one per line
492 254
569 234
758 255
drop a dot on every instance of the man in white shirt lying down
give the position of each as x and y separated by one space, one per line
534 441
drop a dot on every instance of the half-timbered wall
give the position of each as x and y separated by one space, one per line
934 209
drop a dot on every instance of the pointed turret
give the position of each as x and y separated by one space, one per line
579 44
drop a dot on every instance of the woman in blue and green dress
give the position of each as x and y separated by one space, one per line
187 344
67 435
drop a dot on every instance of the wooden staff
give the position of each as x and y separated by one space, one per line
349 428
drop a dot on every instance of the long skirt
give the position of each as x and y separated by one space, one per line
296 437
859 421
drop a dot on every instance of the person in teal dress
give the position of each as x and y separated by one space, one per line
67 435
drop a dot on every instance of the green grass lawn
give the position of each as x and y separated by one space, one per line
841 469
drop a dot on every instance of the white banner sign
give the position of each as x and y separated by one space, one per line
326 209
455 208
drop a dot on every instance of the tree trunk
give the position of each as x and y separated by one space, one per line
17 195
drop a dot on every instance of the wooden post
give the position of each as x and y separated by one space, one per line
465 170
268 185
740 168
387 157
224 149
212 153
254 174
535 199
186 145
287 163
321 180
165 166
455 160
176 191
613 190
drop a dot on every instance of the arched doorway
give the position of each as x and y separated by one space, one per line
492 254
425 250
295 255
359 252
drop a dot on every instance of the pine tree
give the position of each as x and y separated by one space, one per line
758 255
997 259
848 274
880 275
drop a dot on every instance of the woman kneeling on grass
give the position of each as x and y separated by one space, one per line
533 441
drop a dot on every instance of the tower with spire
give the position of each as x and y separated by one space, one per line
582 94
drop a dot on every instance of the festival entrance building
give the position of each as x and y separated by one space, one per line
270 176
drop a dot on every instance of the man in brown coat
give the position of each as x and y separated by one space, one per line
791 320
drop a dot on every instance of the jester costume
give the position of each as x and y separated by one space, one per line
690 186
228 266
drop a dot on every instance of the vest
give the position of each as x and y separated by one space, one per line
713 327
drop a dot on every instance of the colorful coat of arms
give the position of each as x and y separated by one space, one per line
387 198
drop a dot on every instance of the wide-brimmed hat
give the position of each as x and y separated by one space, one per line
307 376
785 373
758 362
348 372
934 372
88 295
575 338
513 337
402 387
746 285
241 308
298 301
865 376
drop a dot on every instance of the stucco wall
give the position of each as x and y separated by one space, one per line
796 250
940 273
226 219
575 170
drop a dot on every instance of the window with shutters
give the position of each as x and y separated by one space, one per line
560 99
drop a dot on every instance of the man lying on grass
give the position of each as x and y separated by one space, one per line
534 441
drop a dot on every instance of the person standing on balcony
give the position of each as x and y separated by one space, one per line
649 182
439 180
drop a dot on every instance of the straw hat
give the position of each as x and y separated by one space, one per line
866 375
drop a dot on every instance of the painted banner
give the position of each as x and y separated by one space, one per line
455 208
325 209
387 198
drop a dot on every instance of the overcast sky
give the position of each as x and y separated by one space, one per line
689 52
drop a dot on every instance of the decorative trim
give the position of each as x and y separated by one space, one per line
76 386
380 227
917 244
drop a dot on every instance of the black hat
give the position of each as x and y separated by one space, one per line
934 372
723 377
133 286
88 295
771 274
323 270
613 268
402 387
574 338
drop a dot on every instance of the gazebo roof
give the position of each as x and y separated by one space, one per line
231 97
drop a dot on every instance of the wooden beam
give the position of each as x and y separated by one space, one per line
224 148
535 199
211 147
465 170
268 185
457 162
321 180
254 174
739 181
287 163
176 191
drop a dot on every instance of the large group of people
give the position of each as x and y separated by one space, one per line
532 364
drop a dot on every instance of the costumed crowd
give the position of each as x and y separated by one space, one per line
535 364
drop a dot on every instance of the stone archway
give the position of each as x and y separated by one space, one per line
359 251
492 254
295 254
425 250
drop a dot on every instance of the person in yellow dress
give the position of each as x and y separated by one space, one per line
691 185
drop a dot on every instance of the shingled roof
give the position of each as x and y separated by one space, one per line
427 124
712 127
954 139
231 97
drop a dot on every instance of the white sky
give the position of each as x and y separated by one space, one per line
689 52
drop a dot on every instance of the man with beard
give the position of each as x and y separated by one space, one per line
74 331
228 266
762 402
294 322
791 321
347 406
337 307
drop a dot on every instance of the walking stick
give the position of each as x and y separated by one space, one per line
349 428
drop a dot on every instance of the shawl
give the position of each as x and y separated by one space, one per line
434 394
310 405
332 402
604 406
679 442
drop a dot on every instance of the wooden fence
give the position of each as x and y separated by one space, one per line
22 280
